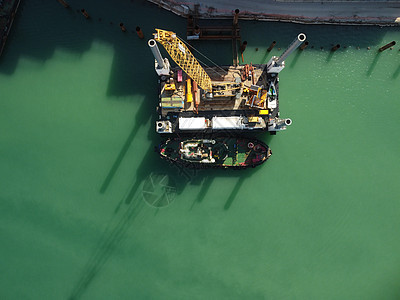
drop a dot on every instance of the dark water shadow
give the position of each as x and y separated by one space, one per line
119 158
126 213
110 240
396 73
151 163
141 118
238 186
205 178
373 64
38 38
266 57
205 186
296 58
129 208
131 205
182 176
247 174
261 34
330 55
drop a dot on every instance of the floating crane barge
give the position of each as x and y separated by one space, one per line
194 99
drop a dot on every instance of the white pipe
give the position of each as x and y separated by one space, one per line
156 52
293 46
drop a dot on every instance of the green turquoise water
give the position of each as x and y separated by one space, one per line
319 220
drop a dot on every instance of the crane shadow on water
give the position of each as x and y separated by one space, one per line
131 204
109 241
396 73
330 55
130 210
205 178
373 64
141 118
296 58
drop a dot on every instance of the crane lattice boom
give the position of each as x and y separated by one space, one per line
180 53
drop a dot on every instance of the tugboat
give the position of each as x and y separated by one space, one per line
220 152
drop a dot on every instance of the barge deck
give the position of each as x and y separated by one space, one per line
198 99
248 104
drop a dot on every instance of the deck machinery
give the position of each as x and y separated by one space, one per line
193 98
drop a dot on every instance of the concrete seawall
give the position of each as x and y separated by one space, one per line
368 12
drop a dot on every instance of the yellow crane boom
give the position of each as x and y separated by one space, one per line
180 53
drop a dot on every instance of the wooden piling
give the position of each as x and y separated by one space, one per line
139 32
236 17
85 13
190 21
121 25
271 46
243 47
196 30
304 45
334 48
65 4
383 48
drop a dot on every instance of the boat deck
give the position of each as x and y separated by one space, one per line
222 151
174 97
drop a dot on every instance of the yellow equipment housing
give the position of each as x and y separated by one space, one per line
189 95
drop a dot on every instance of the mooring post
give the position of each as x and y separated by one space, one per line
85 13
334 48
139 32
271 46
304 45
190 21
196 30
387 46
236 17
65 4
243 47
121 25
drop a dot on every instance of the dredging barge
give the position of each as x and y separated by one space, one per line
194 99
217 152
